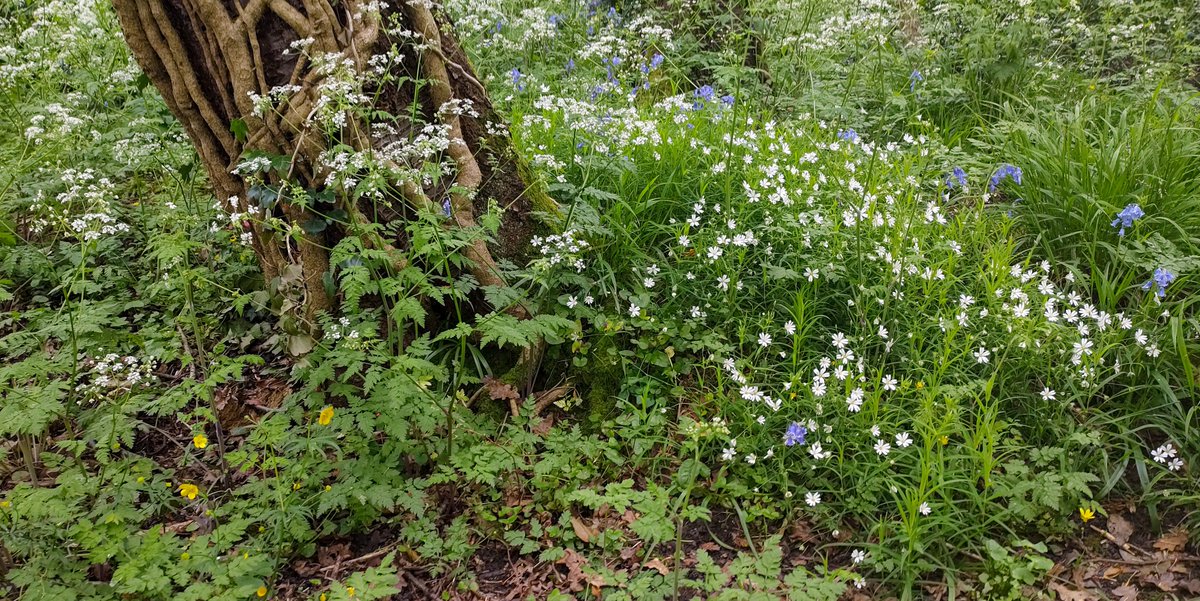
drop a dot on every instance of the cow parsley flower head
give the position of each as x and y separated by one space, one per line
1131 213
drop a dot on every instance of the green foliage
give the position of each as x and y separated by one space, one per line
790 248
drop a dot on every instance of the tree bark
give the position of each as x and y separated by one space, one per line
214 60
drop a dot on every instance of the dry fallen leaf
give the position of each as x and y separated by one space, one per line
543 427
1069 594
1126 592
1165 582
574 562
499 390
1172 541
657 564
1119 528
582 530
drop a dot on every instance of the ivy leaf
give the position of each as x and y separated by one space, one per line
239 129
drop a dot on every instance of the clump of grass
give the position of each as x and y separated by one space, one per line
1083 165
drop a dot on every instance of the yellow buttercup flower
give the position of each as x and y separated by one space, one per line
261 592
945 440
349 591
326 415
200 440
1086 514
188 490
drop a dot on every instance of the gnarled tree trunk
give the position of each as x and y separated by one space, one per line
297 80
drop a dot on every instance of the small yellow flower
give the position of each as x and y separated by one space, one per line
326 415
328 488
349 591
945 440
261 592
188 490
5 504
141 480
296 485
920 384
1086 514
185 556
200 440
323 597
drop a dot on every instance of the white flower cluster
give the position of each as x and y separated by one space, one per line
113 374
84 210
1166 455
560 249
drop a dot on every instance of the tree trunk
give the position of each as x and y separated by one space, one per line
335 93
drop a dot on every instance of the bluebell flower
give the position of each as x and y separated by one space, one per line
1159 282
956 175
913 79
795 435
1132 212
848 135
570 65
516 78
556 19
446 207
656 61
705 92
727 99
499 25
1003 172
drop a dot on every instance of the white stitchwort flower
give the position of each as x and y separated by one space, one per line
813 499
1163 453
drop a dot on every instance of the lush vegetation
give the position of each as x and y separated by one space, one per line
840 298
